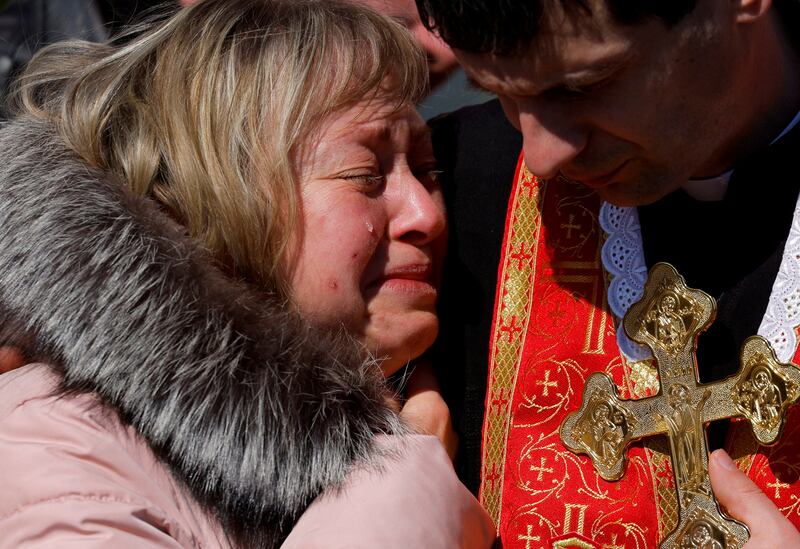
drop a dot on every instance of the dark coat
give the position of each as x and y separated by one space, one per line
28 25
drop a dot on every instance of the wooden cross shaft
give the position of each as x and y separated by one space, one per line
668 319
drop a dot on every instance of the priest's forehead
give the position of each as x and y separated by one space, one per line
508 27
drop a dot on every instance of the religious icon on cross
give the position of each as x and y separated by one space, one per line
668 319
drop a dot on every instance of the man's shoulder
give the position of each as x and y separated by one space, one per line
478 151
477 124
477 148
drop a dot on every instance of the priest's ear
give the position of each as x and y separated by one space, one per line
750 11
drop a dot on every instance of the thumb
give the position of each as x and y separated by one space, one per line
426 410
746 502
10 359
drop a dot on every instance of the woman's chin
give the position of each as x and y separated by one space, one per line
398 348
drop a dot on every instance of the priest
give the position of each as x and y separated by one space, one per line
626 133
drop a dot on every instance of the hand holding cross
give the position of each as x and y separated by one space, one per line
668 319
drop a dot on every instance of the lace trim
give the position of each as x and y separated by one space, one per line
623 259
783 310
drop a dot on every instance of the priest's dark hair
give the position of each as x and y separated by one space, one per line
506 27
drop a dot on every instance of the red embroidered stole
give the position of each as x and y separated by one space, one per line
552 329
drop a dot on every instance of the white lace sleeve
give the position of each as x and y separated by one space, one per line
783 310
623 259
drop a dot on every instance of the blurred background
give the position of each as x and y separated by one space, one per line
27 25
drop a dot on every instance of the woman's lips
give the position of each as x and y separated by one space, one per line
408 286
420 271
407 279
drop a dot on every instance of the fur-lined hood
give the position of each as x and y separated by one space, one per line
254 411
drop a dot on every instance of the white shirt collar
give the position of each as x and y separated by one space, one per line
711 189
788 128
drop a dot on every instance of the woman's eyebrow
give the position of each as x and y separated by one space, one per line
379 130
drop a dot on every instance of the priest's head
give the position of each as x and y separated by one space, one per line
629 97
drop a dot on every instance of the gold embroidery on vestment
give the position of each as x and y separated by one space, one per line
514 306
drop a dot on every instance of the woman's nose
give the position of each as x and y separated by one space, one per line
417 211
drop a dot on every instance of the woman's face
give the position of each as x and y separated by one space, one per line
373 230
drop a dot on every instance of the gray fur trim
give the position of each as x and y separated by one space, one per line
255 412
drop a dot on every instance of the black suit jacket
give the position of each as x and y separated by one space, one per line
477 148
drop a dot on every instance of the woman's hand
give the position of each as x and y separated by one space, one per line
10 359
748 504
425 409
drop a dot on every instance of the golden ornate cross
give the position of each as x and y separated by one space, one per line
668 319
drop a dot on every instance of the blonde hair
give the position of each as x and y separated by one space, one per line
204 110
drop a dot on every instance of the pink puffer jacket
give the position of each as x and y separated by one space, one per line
71 475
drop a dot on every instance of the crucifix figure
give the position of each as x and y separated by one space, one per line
668 319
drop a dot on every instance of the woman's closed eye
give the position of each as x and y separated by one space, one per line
369 181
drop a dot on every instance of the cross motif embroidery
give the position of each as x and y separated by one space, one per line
541 469
778 485
500 400
522 255
511 330
570 225
527 183
528 537
546 383
494 476
668 319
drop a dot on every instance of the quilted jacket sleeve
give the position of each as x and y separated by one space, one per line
413 500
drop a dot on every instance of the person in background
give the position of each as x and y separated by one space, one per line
441 61
448 85
28 25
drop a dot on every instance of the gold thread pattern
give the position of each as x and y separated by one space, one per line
512 316
535 472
